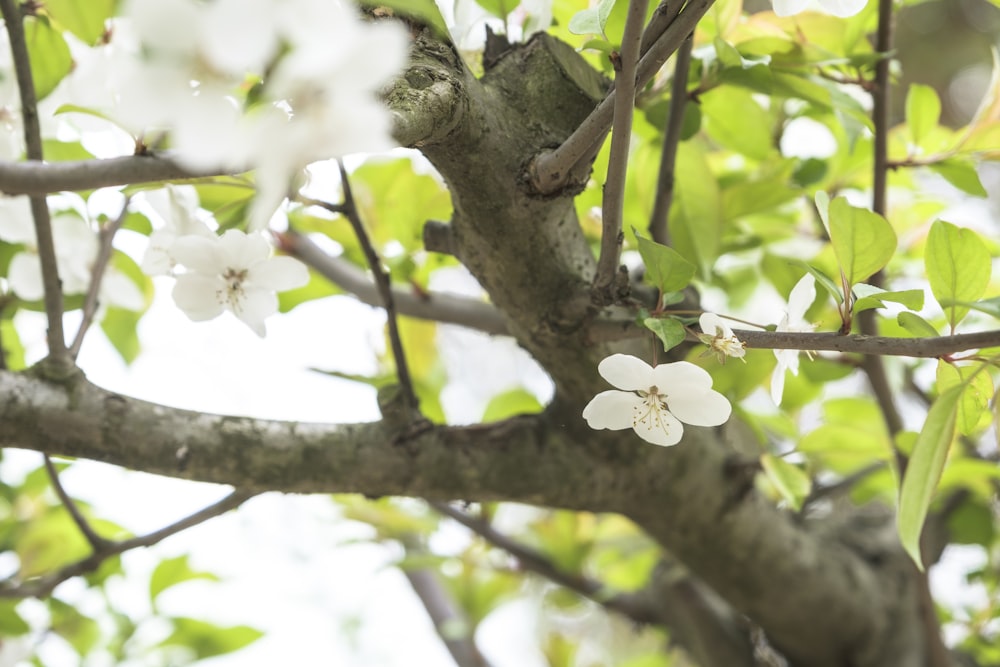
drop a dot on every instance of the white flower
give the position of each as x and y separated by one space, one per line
720 338
233 272
802 296
839 8
177 206
654 401
76 249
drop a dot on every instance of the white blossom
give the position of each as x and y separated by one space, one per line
654 401
234 272
318 65
801 297
719 337
840 8
177 206
76 249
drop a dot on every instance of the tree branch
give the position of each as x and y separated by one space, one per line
549 171
444 308
90 303
55 337
104 549
450 621
607 276
34 178
658 221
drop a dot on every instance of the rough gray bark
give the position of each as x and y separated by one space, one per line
833 591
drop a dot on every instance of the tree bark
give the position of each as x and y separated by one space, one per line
835 590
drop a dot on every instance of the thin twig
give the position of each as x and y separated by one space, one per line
450 621
659 220
873 366
39 207
633 607
438 307
621 136
97 543
105 238
42 587
349 210
38 178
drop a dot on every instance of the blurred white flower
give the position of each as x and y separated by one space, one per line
841 8
233 272
801 297
720 338
76 249
654 401
319 67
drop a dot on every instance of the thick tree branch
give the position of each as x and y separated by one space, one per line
444 308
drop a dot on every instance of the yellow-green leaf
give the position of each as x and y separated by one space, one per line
665 267
49 55
923 109
790 480
862 240
958 267
924 470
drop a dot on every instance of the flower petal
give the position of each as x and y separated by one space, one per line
627 372
656 425
842 8
279 274
25 276
713 325
788 7
198 253
611 409
681 377
801 297
778 384
708 408
256 306
197 296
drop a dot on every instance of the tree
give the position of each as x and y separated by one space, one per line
764 537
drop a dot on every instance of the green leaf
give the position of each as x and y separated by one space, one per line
80 631
10 345
924 470
747 132
58 151
958 267
975 397
666 268
425 11
696 220
790 480
916 325
11 623
510 403
207 639
923 110
83 18
120 326
173 571
962 174
989 306
870 297
669 330
592 21
862 240
49 54
499 8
